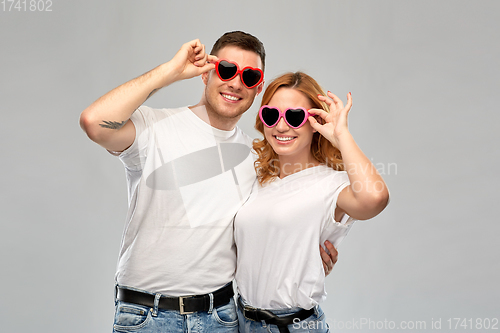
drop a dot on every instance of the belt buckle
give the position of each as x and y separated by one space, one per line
181 305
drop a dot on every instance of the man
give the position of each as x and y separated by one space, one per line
188 170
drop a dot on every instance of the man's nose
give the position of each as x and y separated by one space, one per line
235 82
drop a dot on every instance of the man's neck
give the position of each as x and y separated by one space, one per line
213 119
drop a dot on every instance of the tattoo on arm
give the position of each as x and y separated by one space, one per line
116 124
112 124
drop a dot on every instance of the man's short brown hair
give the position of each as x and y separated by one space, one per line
242 40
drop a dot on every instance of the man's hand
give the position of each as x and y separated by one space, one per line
192 60
329 260
106 120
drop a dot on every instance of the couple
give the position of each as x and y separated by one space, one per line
189 172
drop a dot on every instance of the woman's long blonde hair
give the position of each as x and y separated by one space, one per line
267 164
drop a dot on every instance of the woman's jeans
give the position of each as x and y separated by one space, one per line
315 323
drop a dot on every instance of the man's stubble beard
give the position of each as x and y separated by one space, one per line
220 116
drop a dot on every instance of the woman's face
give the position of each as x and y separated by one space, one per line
286 141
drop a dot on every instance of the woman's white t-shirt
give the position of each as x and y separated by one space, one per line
278 232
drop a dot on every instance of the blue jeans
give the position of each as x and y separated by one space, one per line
131 317
315 323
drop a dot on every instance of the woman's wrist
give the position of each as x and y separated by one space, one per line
341 140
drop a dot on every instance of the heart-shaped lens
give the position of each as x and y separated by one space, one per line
270 116
226 70
295 117
251 77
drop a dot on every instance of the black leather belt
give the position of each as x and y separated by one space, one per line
270 318
183 304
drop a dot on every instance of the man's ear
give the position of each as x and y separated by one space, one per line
260 87
204 77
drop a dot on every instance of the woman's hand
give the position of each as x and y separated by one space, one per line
335 121
367 195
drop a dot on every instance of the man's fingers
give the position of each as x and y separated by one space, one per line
200 58
199 52
334 255
207 63
206 67
195 44
193 47
212 59
323 253
327 260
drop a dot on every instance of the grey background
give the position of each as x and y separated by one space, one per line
424 77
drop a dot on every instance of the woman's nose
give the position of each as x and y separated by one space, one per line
282 126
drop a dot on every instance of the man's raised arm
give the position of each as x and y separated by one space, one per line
106 121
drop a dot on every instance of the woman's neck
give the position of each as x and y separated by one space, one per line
292 164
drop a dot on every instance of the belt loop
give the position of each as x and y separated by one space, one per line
211 303
155 307
116 293
283 329
316 310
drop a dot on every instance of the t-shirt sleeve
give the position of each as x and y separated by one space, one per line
336 185
134 156
334 231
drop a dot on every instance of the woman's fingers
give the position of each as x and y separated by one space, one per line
322 113
349 101
327 100
338 102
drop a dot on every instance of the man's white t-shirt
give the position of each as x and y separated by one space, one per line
186 180
277 233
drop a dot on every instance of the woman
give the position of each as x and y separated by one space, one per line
313 182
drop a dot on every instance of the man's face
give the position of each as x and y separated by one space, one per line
228 100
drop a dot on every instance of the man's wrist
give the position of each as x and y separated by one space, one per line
166 74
